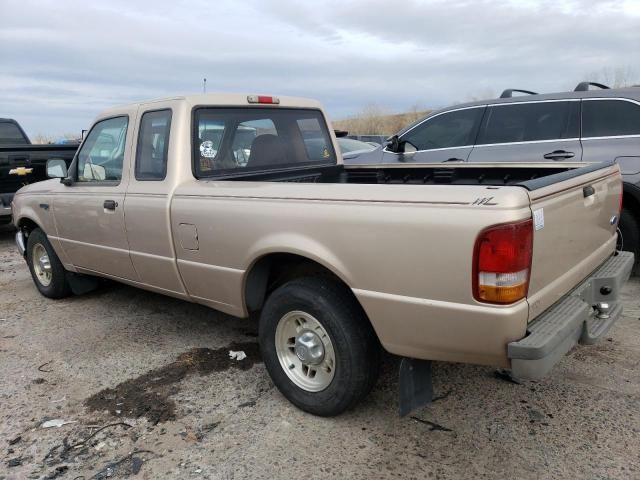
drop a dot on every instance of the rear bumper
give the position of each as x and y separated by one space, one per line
572 320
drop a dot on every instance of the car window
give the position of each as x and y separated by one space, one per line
10 134
528 122
101 156
231 139
605 118
447 130
153 145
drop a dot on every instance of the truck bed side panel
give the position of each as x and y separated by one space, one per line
406 252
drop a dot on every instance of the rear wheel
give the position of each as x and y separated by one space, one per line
630 233
46 269
318 345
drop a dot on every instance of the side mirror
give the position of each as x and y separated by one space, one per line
56 168
393 144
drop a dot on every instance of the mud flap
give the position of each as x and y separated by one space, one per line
416 385
81 284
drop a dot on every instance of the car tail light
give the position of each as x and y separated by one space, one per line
502 262
263 99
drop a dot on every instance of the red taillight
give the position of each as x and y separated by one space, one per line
502 262
263 99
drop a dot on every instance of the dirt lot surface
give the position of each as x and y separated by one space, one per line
149 391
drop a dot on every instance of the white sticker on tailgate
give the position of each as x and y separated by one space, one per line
538 218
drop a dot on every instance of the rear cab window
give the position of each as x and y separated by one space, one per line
10 134
231 141
530 122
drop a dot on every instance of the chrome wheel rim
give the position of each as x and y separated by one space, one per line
305 351
41 264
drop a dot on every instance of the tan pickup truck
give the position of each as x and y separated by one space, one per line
242 203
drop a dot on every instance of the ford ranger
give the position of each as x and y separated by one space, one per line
242 203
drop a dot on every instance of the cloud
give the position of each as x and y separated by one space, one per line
64 61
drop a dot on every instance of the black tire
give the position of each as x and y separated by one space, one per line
630 231
58 286
356 347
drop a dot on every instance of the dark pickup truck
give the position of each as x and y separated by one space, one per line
21 162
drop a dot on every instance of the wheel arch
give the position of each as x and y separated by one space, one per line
271 269
27 225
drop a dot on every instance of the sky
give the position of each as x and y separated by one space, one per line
62 62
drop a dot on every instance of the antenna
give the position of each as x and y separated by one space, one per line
204 85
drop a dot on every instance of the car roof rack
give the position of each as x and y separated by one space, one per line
584 86
508 93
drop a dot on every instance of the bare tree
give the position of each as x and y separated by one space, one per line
615 77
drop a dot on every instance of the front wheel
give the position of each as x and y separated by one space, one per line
318 346
46 269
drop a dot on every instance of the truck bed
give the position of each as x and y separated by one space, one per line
425 174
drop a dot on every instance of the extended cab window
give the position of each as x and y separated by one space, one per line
447 130
607 118
153 145
101 156
232 140
528 122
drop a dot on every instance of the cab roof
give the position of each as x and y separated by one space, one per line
220 100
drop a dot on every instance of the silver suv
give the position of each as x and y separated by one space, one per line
586 125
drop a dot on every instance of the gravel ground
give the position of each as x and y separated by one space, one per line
155 372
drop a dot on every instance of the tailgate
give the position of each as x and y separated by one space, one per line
575 220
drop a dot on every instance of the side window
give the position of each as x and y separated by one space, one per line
227 140
453 129
607 118
528 122
153 145
101 156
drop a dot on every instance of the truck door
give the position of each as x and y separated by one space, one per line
543 131
89 213
153 177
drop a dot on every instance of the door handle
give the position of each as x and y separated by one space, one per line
588 191
18 159
110 204
559 155
453 159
